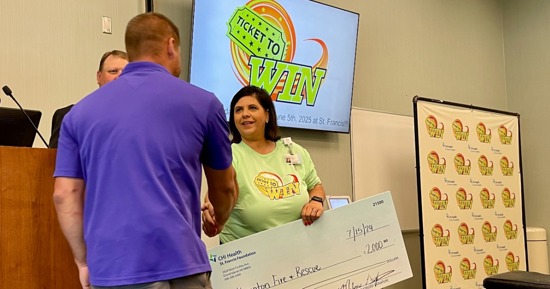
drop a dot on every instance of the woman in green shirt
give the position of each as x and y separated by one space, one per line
277 179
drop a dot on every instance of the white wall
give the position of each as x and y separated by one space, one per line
51 50
527 49
447 49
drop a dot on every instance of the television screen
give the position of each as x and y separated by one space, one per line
302 52
15 127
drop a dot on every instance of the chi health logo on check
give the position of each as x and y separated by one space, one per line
230 257
212 257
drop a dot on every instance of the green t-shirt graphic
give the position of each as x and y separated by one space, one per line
272 191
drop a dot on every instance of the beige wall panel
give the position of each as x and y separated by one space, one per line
448 50
527 49
50 51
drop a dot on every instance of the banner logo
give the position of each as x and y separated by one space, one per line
435 130
464 199
485 166
440 237
510 230
489 232
508 198
512 262
461 133
263 45
273 187
506 166
491 267
487 199
505 135
436 165
483 134
438 200
466 235
442 274
462 165
466 270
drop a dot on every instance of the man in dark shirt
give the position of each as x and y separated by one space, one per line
110 67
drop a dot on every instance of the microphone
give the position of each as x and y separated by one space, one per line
8 92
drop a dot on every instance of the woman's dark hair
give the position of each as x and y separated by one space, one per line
271 128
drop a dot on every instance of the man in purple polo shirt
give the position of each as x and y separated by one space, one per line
128 171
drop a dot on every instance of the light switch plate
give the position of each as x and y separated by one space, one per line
106 25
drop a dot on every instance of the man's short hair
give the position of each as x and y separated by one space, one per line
146 32
116 53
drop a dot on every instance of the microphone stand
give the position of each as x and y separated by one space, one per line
8 92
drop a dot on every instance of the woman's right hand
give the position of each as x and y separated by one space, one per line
209 225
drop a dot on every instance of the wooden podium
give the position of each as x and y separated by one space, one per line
33 251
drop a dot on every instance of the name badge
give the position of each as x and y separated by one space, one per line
293 159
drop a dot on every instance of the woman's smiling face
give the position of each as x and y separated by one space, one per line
250 118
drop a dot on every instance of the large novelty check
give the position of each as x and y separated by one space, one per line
357 246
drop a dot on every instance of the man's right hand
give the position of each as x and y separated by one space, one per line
209 225
222 195
83 275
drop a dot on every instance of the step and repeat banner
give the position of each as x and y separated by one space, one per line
470 193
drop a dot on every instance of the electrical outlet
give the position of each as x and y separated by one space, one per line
106 25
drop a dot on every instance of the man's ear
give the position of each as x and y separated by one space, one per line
98 76
171 47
